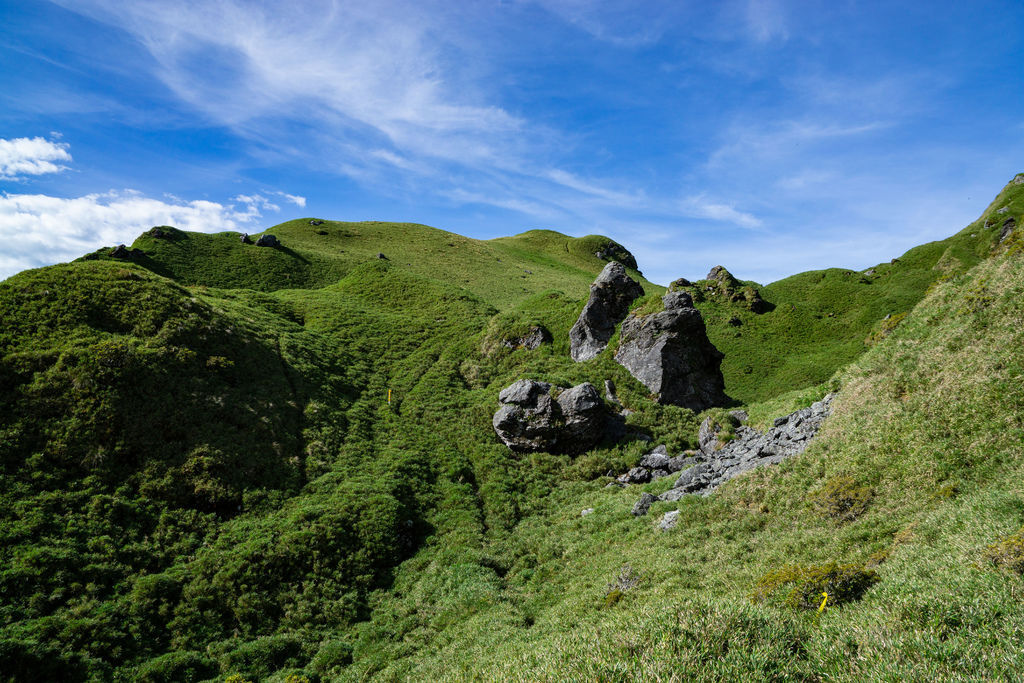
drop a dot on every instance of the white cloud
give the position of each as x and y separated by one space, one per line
31 156
294 199
255 203
40 230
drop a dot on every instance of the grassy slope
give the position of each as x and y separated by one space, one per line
929 421
500 271
282 548
823 318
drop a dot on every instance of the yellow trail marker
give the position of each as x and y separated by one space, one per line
824 599
389 396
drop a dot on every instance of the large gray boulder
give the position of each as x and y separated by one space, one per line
532 417
669 352
610 297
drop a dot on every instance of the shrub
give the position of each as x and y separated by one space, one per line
177 666
627 580
802 587
332 656
841 499
1008 553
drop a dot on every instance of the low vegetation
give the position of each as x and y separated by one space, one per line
229 462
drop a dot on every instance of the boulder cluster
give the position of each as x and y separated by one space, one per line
668 350
718 461
536 416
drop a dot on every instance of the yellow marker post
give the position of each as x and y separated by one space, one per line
824 599
389 397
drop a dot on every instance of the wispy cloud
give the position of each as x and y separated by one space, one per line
766 20
701 207
21 157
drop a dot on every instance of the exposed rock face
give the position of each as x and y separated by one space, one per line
610 296
724 284
751 449
1018 179
533 338
643 505
245 238
123 252
669 352
654 465
268 241
616 252
669 521
531 420
1008 225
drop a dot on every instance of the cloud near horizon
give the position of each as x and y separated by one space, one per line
40 230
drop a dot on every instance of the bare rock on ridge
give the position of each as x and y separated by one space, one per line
669 352
610 297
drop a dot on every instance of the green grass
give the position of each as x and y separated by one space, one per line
201 475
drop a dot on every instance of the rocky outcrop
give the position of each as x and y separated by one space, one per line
669 520
613 251
721 283
161 232
1008 225
268 241
123 252
669 352
655 465
1018 179
610 297
643 505
750 449
534 416
245 238
532 339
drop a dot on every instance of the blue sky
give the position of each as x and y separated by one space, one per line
771 137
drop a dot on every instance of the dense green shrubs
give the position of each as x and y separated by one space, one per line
804 588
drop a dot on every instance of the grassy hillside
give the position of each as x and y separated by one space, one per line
822 320
500 271
925 439
224 460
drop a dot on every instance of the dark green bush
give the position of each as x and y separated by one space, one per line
802 587
261 657
1008 553
177 667
841 499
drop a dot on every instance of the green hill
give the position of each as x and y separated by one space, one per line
220 459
